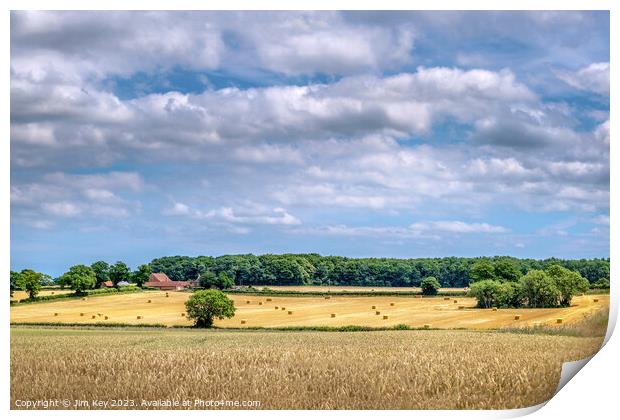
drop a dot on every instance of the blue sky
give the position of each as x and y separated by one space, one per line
137 135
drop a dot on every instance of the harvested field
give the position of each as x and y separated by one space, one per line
307 311
20 294
294 370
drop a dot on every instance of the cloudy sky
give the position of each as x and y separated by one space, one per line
138 135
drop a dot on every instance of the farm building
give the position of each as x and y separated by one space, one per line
162 282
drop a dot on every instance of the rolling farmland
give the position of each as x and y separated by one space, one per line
437 312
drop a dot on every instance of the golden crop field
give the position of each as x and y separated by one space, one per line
293 370
20 294
437 312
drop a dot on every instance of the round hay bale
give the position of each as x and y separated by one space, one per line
427 326
247 301
81 313
392 303
559 320
595 300
374 307
494 309
283 308
148 301
268 299
167 295
260 303
182 313
290 312
377 313
243 321
55 313
106 317
52 293
446 298
517 317
328 297
385 317
461 307
139 317
83 298
93 317
333 315
277 307
456 301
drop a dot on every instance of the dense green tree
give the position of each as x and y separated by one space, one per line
80 277
224 281
601 284
141 275
506 270
119 272
486 292
509 295
14 281
568 283
206 305
430 286
482 270
30 281
208 280
102 272
539 290
290 269
211 280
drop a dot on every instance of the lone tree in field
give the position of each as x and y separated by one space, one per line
30 281
79 278
206 305
430 286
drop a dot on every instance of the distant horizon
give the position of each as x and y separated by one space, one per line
379 134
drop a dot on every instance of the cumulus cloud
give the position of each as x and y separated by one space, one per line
101 128
593 78
339 115
102 43
73 196
248 214
457 226
432 230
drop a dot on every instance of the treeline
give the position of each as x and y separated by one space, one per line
299 269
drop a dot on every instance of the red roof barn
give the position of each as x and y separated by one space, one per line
162 282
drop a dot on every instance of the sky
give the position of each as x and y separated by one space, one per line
136 135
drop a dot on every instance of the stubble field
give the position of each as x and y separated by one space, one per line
436 312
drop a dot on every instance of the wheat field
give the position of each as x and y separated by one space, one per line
293 370
306 311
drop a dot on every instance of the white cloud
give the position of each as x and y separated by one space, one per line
250 214
62 208
69 196
593 78
456 226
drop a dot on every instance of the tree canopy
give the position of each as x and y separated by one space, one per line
80 277
206 305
